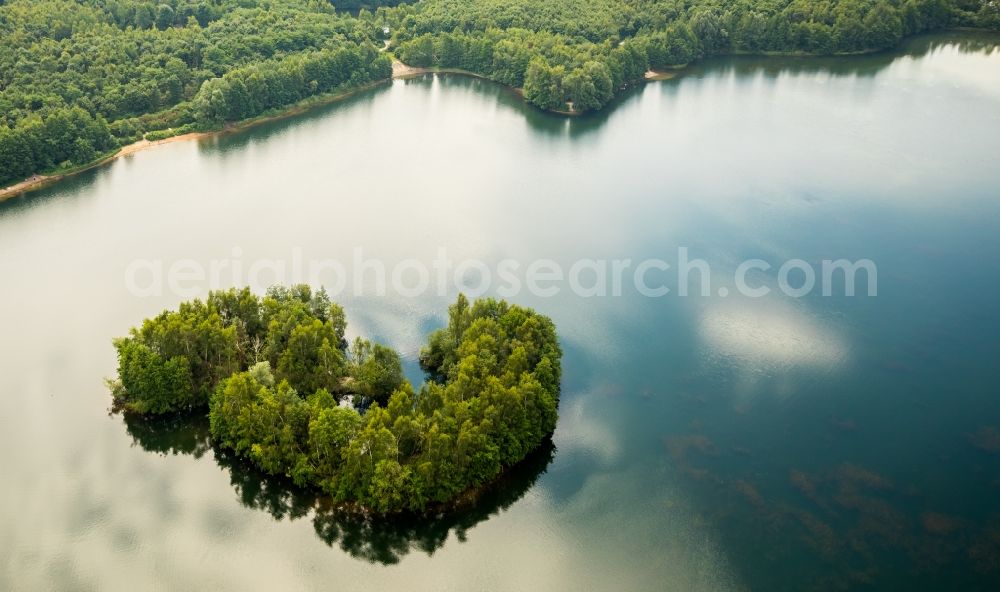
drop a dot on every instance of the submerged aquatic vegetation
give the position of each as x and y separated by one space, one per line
987 439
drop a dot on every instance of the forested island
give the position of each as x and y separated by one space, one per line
81 78
283 388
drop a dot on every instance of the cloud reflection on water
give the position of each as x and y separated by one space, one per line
770 336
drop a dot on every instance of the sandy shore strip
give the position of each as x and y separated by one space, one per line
36 181
661 74
143 144
32 181
401 70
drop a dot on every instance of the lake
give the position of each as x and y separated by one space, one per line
705 442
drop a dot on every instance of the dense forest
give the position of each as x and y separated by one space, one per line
580 52
79 78
275 374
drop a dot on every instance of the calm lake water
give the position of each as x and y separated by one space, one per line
704 442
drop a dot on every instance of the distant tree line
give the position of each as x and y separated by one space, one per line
117 69
581 52
273 373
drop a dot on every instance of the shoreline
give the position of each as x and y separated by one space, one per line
403 71
39 181
400 71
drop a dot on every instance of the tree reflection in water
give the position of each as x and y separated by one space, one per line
378 539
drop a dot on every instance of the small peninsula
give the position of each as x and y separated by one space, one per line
284 389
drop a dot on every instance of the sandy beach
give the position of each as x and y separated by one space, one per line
661 74
36 181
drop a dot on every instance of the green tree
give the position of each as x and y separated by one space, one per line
311 360
164 16
543 85
376 369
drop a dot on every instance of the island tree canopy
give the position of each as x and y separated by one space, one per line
273 373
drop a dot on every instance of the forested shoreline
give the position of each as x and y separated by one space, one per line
578 54
79 79
284 390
